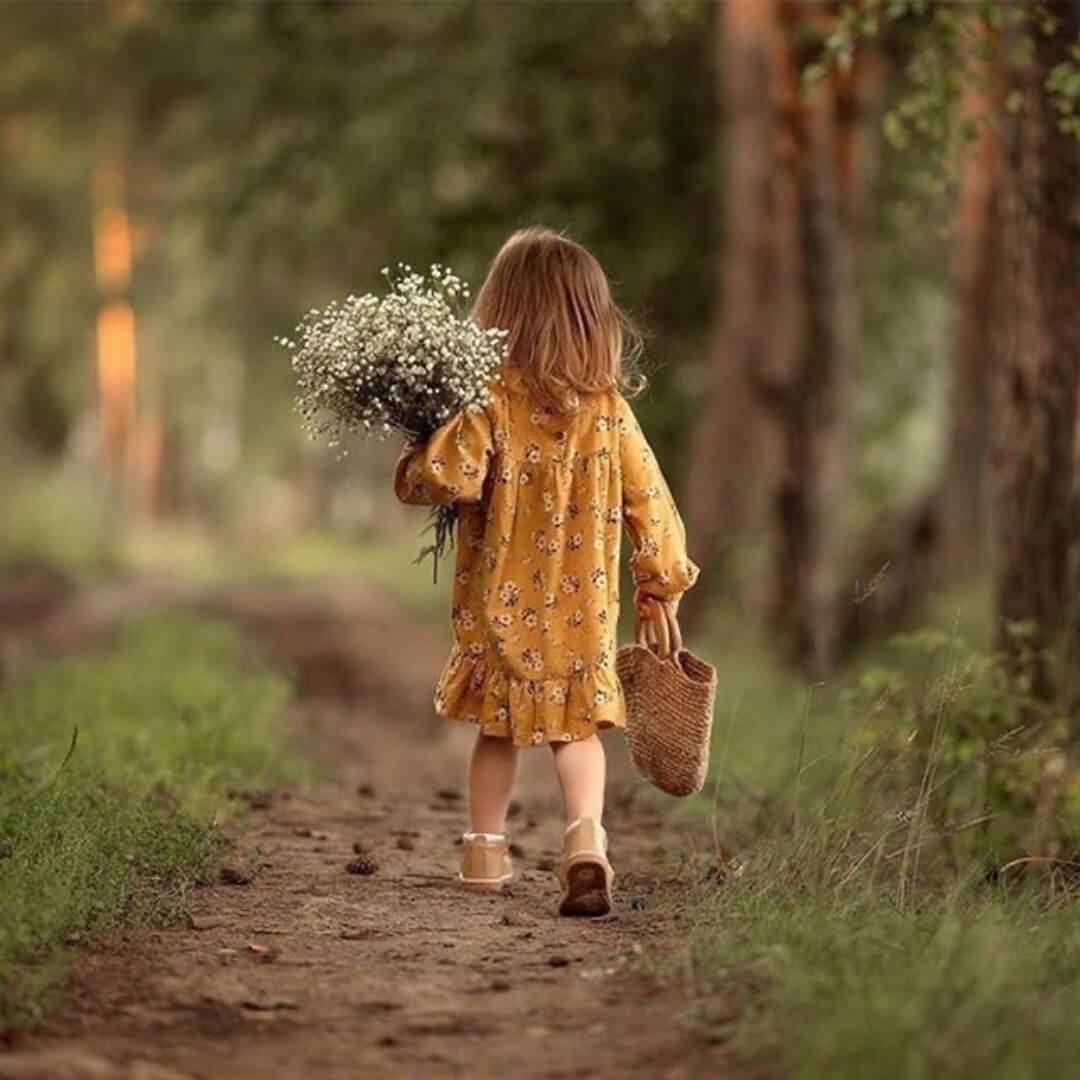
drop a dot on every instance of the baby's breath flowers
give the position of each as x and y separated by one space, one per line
405 361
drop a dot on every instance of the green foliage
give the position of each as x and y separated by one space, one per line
989 756
838 981
938 42
946 47
57 516
114 825
1063 84
864 913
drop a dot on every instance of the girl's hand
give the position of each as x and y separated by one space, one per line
658 626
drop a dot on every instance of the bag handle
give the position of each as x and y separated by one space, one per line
658 630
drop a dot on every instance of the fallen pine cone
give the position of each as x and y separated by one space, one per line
364 865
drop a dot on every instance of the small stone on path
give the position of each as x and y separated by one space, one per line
519 918
358 933
205 922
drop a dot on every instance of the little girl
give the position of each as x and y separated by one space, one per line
544 478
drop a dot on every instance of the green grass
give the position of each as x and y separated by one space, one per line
844 981
857 934
117 829
59 517
388 562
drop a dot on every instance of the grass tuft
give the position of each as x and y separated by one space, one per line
114 771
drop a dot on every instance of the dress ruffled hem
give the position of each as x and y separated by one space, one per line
530 712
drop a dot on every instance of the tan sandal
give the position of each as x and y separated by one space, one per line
585 874
485 862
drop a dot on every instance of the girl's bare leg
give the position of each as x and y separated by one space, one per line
492 771
581 768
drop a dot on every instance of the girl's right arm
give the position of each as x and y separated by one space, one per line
451 466
661 568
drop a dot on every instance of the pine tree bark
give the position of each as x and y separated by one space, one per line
1037 363
808 385
771 443
727 447
965 493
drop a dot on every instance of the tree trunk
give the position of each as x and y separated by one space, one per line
965 495
807 384
727 438
785 337
1033 398
115 324
808 403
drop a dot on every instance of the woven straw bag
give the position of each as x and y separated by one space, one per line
669 714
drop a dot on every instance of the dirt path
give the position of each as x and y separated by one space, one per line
309 971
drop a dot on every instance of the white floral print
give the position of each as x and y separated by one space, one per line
535 588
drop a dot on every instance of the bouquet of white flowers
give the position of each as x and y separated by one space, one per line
406 361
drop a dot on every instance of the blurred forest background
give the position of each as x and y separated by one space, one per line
850 231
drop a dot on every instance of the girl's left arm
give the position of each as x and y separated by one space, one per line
451 466
662 570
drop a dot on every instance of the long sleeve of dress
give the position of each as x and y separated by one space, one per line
660 564
451 466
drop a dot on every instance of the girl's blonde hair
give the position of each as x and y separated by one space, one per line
567 336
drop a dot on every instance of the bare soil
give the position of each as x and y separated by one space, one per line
299 968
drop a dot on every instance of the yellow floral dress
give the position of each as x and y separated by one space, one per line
542 500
